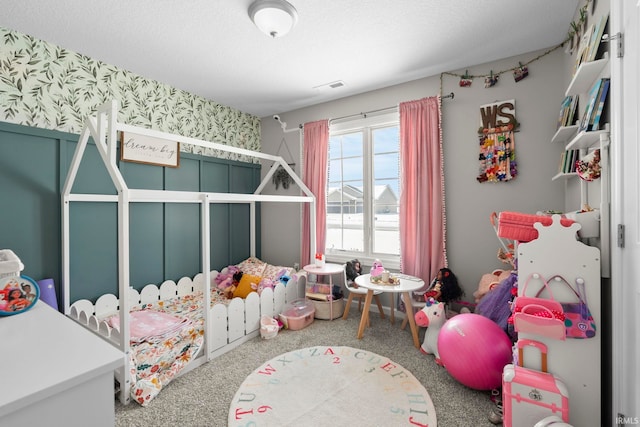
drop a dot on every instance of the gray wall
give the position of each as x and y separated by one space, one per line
471 241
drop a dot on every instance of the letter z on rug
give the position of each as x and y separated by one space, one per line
331 386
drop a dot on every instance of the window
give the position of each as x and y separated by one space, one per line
363 189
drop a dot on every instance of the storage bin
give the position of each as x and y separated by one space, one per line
298 314
329 310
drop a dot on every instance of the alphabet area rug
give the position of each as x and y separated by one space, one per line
331 386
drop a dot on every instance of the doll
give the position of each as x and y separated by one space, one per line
353 269
444 287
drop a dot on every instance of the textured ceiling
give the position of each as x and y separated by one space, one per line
212 49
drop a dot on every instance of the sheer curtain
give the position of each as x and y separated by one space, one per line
422 218
315 153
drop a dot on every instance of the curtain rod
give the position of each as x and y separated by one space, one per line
451 95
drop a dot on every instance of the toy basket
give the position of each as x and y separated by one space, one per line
329 310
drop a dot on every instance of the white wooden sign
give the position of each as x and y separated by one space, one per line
149 150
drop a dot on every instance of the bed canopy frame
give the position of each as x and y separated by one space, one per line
104 128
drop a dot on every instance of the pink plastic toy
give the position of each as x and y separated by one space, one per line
474 350
377 268
432 317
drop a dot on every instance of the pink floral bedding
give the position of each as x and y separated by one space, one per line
154 362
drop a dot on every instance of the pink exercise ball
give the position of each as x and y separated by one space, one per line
474 350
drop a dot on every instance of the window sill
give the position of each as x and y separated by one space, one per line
392 264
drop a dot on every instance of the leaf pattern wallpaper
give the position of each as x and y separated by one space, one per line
43 85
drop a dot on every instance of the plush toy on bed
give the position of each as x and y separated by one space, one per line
224 279
264 284
227 280
283 277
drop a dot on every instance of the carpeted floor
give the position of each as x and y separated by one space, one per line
202 397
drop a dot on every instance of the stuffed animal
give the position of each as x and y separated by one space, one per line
264 284
229 292
377 268
432 316
282 277
228 279
353 269
490 281
444 287
224 279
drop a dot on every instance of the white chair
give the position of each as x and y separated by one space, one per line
416 306
360 293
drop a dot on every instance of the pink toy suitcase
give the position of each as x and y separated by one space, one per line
519 226
529 395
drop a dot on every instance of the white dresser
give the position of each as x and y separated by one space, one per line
54 372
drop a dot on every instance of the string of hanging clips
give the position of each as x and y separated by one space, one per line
495 75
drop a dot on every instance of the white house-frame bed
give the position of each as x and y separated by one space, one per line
225 325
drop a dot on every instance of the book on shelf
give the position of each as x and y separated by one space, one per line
575 154
564 110
601 103
596 39
567 111
591 104
583 48
572 114
590 42
568 161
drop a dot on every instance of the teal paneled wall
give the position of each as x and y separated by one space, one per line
165 239
147 243
29 183
93 249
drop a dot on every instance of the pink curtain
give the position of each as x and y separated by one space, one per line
422 218
315 153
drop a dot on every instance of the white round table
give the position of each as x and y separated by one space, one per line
407 285
327 269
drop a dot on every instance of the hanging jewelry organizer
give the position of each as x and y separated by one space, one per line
281 176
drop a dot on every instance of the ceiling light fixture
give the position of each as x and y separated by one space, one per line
273 17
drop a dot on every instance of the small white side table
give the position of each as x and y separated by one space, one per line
327 269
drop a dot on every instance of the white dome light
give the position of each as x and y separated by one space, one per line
273 17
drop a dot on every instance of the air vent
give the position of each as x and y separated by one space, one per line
332 85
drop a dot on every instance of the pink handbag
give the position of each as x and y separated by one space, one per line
540 316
